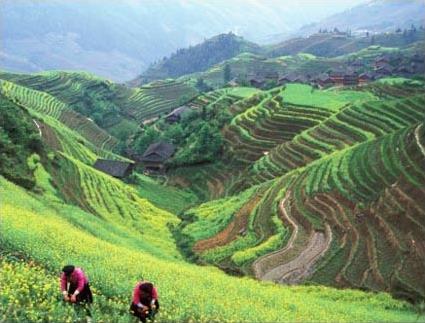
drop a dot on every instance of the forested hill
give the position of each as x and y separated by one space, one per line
198 58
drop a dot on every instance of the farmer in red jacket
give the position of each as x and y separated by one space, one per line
145 301
75 285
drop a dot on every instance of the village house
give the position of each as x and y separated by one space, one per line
292 78
385 70
337 77
381 61
257 81
233 83
323 80
365 78
350 78
115 168
156 155
175 115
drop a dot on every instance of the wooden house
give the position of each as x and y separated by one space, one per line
385 70
257 81
381 61
323 80
175 115
350 78
365 78
156 155
115 168
233 83
337 77
292 78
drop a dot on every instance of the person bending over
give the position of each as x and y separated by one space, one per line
75 285
145 301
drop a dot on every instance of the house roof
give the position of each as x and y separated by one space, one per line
178 111
323 77
293 77
114 168
158 152
257 79
366 75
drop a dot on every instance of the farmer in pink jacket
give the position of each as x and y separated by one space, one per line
75 285
145 301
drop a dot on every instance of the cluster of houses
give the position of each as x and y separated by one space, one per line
153 160
356 72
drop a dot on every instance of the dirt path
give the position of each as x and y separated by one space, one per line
301 267
235 228
418 139
38 127
260 263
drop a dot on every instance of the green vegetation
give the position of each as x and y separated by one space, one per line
197 135
162 196
199 58
114 268
300 185
19 138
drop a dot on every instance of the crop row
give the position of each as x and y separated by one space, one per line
351 126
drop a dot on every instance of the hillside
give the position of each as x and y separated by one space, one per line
387 17
327 43
328 189
119 236
115 108
198 58
306 67
119 41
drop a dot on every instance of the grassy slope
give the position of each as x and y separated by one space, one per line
30 223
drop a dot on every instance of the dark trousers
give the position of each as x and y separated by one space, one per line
143 315
85 296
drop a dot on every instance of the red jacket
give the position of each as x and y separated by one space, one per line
77 277
136 293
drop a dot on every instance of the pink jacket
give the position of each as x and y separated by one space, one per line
136 293
77 277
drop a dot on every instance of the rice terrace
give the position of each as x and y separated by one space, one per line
212 161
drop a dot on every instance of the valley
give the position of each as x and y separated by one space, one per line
248 189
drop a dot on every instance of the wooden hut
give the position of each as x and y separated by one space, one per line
156 155
175 115
115 168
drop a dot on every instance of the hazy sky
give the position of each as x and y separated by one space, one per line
118 38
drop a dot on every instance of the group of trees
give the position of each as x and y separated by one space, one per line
197 136
19 139
201 57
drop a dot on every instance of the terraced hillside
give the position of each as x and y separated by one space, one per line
341 175
76 214
112 106
47 105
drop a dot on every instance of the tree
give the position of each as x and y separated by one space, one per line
226 73
201 86
148 137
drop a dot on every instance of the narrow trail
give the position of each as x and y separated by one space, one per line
300 267
418 139
258 264
38 127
